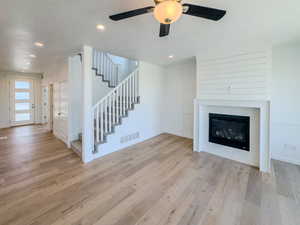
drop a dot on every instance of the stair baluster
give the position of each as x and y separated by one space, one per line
123 99
117 107
97 125
109 113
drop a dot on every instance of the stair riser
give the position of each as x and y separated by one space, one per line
111 83
76 146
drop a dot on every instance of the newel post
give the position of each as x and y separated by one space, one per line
87 126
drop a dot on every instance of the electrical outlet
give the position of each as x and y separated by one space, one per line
290 147
229 89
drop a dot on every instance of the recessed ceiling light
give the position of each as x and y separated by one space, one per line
27 63
32 56
39 44
100 27
171 56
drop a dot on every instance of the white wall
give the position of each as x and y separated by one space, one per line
5 78
126 66
56 72
179 93
100 88
4 101
234 76
75 97
285 104
146 117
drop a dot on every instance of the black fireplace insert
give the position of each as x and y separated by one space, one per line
230 130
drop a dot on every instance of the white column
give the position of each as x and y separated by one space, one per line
88 127
196 126
264 139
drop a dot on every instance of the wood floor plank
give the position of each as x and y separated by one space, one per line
283 183
157 182
270 211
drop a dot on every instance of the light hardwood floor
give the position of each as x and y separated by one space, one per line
158 182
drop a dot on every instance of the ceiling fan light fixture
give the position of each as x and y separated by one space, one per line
168 11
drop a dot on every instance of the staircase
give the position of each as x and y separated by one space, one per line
106 68
111 109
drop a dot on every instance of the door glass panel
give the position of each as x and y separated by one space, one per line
22 85
22 116
22 96
22 102
22 106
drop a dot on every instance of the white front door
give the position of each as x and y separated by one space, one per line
21 102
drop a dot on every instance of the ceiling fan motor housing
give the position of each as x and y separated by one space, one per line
168 11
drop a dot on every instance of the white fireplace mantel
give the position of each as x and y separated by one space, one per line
264 124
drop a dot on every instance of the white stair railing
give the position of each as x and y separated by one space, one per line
105 67
107 113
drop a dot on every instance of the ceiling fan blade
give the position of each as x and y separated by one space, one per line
164 30
204 12
131 13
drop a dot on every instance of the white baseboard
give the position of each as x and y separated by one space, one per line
4 125
286 159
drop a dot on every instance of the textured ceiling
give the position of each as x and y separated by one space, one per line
64 26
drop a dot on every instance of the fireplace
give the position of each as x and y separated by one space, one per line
258 153
230 130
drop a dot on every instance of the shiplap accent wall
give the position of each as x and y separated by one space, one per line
243 76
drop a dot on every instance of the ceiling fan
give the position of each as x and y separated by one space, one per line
168 11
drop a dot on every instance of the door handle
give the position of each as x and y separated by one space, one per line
32 106
59 113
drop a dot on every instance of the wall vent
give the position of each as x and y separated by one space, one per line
130 137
